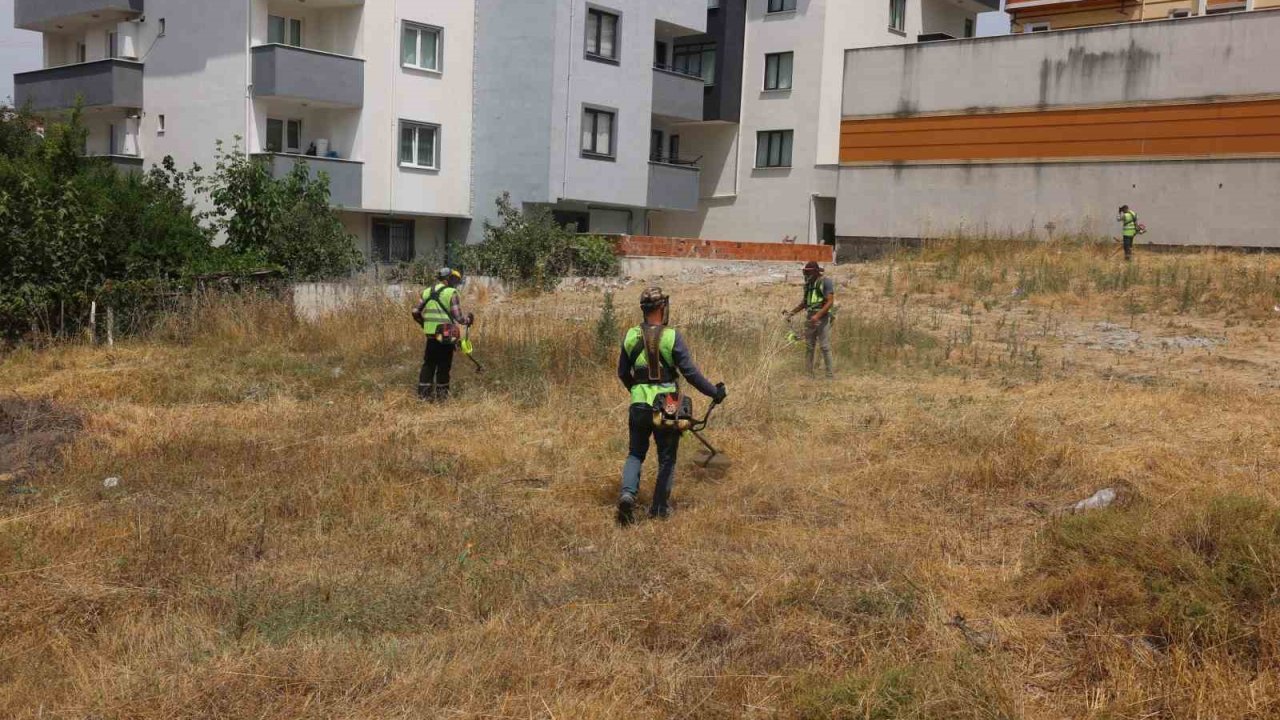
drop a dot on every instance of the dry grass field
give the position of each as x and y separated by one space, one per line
293 535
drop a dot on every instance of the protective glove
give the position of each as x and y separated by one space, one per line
721 393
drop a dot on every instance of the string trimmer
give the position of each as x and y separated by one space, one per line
705 459
465 345
673 412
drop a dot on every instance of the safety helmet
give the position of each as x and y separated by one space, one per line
446 274
812 267
653 298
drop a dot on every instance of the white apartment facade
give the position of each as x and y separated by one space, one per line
770 174
371 92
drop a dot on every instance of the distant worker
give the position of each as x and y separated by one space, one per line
819 298
652 355
1130 228
440 315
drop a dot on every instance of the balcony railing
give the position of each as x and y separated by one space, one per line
52 15
121 162
673 187
677 95
102 83
346 177
297 73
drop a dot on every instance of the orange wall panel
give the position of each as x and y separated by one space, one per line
1198 129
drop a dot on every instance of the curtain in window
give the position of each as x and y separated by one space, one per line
406 144
409 46
427 147
429 40
608 35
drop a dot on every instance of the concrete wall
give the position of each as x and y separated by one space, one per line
116 83
1230 55
1224 201
1205 202
37 14
308 75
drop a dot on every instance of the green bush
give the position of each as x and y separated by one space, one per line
529 250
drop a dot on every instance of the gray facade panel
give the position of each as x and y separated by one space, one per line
105 83
40 14
1182 202
1230 55
673 187
512 106
677 96
346 178
302 74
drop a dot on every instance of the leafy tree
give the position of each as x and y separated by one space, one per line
288 222
528 249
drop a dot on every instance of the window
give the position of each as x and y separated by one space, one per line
655 146
1179 13
1035 27
162 24
777 71
160 125
597 132
392 241
968 27
602 34
112 148
898 15
284 31
781 5
698 60
419 146
113 44
420 47
773 148
659 54
82 52
673 149
1220 9
284 135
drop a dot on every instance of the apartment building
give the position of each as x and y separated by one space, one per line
1043 15
568 96
768 142
374 94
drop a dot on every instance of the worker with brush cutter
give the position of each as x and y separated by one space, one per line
819 301
653 357
439 313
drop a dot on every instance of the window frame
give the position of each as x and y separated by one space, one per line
285 124
783 6
1178 13
419 29
288 26
602 13
418 126
699 50
593 153
374 256
777 71
898 11
1035 27
765 138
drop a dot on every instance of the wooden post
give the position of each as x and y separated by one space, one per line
111 326
93 323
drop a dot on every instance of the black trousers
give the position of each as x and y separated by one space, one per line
437 363
1128 247
640 427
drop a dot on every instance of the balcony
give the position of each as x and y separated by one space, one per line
295 73
122 163
99 84
56 15
673 185
677 96
346 177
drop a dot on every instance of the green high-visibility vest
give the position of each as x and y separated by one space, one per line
644 392
1130 219
815 296
436 312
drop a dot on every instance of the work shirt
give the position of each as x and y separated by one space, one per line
681 359
1130 220
433 317
813 300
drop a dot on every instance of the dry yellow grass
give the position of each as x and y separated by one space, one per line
294 536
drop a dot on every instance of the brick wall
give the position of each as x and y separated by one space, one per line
649 246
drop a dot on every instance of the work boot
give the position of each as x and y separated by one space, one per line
626 503
426 392
662 513
442 393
